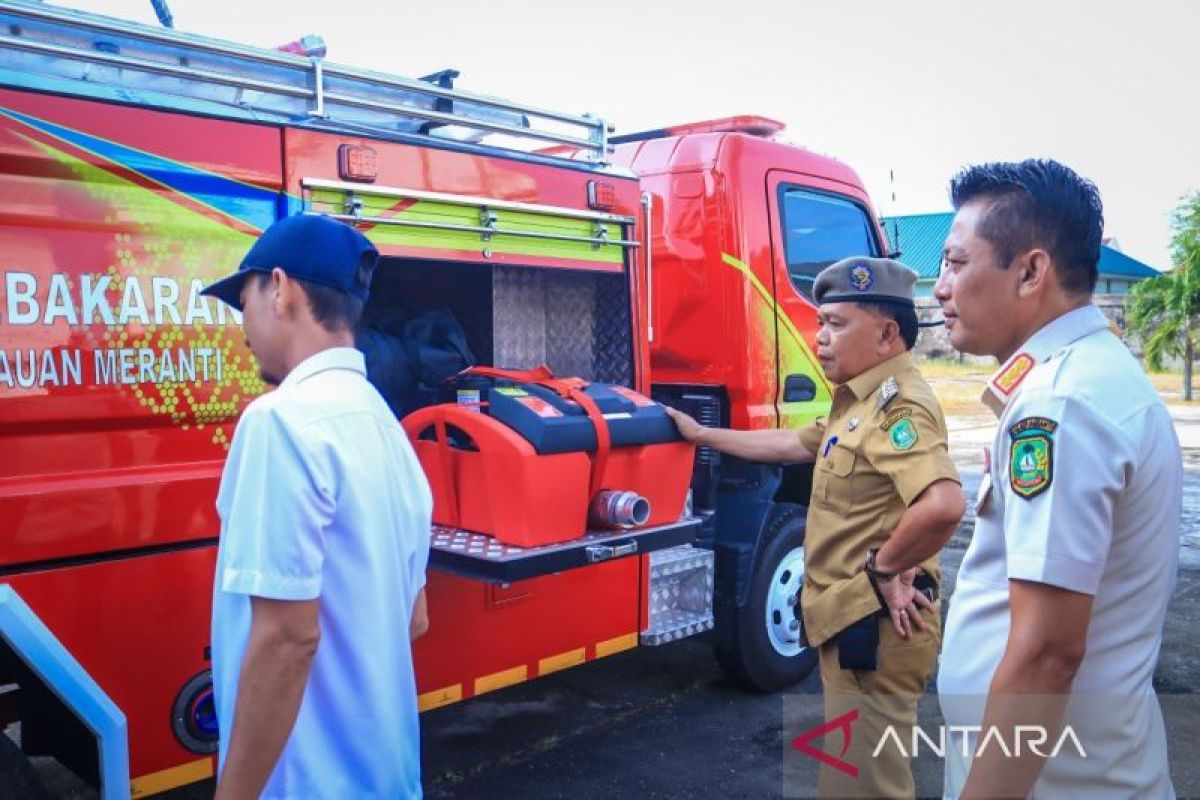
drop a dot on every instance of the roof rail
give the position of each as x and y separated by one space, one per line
86 49
747 124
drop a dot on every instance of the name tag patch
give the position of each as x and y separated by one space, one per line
1031 459
894 417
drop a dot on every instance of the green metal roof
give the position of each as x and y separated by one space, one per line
920 237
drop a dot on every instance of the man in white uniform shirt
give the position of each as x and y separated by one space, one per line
325 520
1061 597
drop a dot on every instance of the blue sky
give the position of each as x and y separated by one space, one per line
916 89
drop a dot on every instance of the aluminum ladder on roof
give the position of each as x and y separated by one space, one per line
62 45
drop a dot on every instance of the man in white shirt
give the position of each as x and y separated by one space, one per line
325 520
1061 597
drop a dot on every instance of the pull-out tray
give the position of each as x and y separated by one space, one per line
474 555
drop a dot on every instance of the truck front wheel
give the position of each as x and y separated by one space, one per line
764 649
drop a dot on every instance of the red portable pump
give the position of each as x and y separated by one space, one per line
488 477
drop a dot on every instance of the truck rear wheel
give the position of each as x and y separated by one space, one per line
18 779
765 651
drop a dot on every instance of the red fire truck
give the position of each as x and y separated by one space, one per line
137 164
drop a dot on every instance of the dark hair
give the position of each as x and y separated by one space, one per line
1037 203
904 315
334 309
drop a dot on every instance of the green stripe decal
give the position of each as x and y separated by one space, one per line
433 211
789 350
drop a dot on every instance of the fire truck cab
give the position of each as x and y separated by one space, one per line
741 224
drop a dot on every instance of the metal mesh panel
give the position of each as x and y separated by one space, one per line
570 321
612 346
576 322
518 318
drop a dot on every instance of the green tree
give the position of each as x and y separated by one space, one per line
1165 311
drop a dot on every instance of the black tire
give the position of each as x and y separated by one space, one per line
18 779
753 655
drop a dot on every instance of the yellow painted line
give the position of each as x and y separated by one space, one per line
571 658
780 315
610 646
498 680
765 294
171 778
440 697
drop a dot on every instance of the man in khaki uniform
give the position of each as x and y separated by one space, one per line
885 499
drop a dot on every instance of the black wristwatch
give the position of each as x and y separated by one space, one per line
873 571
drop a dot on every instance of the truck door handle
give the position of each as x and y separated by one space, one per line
605 552
799 389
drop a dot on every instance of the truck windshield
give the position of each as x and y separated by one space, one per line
820 229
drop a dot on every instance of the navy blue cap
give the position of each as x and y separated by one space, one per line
312 248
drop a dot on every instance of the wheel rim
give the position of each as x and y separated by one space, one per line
783 622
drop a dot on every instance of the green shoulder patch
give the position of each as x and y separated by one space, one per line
894 417
1031 459
904 435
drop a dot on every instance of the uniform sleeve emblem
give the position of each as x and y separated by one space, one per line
1031 459
862 277
904 435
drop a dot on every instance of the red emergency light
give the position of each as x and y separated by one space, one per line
357 162
601 196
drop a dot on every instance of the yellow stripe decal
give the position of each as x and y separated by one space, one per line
498 680
610 646
171 778
440 697
570 658
783 318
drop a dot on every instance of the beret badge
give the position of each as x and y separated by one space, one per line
862 277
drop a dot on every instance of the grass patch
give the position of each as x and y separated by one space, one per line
1170 382
933 368
959 399
957 385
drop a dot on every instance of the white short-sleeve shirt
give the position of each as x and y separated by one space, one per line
1084 492
323 497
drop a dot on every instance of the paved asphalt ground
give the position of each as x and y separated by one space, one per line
665 723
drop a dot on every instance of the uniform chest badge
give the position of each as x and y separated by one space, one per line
888 392
1031 458
862 277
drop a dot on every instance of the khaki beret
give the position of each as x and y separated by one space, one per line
865 279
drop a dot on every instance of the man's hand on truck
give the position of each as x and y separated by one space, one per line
773 445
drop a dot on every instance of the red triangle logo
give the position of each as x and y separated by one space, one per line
842 723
